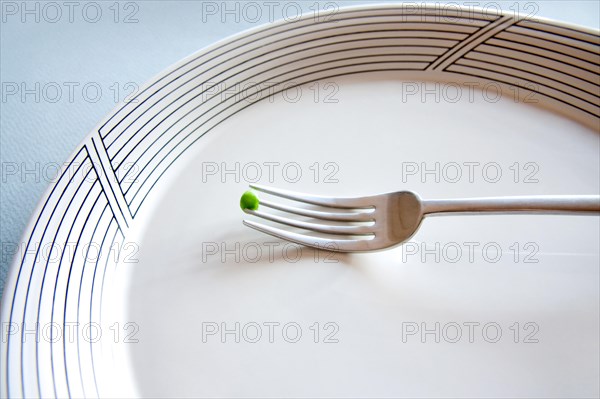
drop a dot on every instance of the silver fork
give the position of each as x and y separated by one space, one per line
386 220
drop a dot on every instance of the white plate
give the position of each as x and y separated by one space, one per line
344 95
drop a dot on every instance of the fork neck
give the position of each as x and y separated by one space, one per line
546 204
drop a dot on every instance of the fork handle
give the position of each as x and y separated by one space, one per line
545 204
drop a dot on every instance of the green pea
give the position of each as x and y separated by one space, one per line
249 200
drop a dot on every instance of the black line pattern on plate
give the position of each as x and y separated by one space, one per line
79 303
109 179
76 157
107 250
57 278
70 263
568 32
530 49
579 93
466 44
582 94
536 60
54 240
553 46
551 37
66 190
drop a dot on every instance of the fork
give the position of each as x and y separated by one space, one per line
383 221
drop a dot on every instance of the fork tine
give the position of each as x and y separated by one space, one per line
348 229
346 203
335 216
315 242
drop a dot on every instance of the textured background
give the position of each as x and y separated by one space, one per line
130 42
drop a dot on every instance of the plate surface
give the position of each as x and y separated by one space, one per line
143 281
